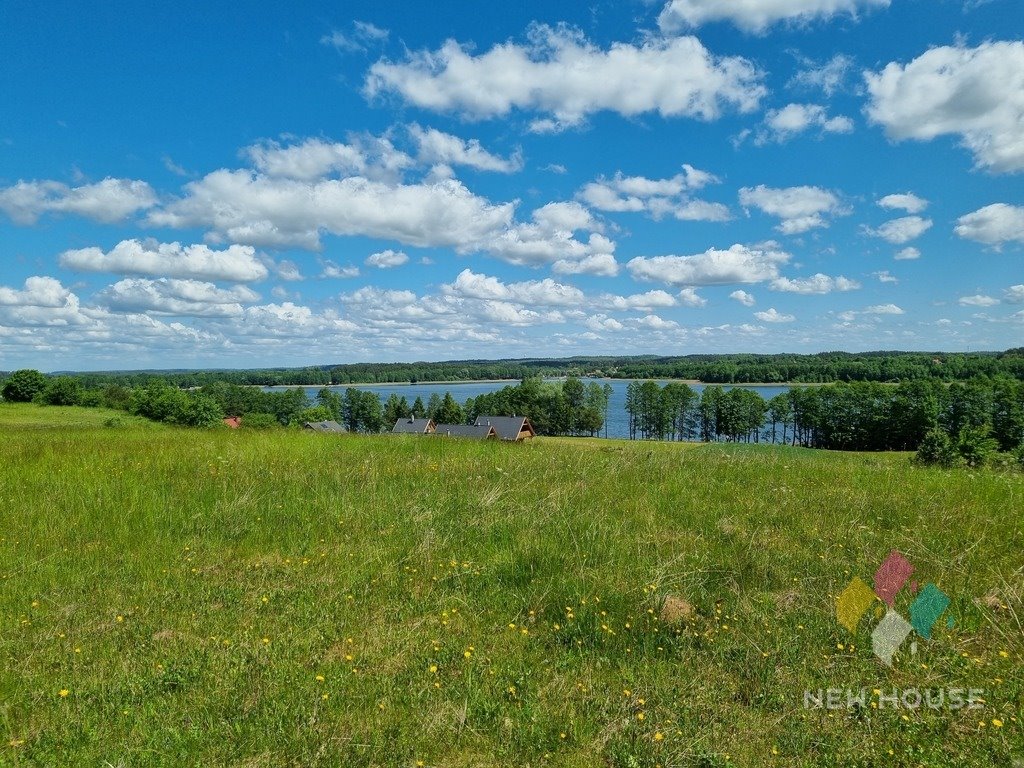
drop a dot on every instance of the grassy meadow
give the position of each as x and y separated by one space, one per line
176 597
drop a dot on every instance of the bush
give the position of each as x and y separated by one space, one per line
316 413
937 448
1018 455
90 398
162 403
63 390
259 421
21 386
198 411
976 446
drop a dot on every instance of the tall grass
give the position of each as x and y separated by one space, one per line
288 598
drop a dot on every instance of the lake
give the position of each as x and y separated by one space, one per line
618 420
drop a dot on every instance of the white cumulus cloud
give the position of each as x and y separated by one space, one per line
908 254
107 201
37 291
904 201
772 315
546 292
781 125
656 197
738 264
243 207
438 147
744 298
176 297
598 264
560 73
638 301
994 224
829 77
901 230
387 259
757 15
236 263
974 93
799 208
550 238
977 300
815 284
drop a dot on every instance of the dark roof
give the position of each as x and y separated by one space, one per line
413 426
508 427
324 426
464 430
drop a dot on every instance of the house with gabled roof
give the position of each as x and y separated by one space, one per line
324 426
465 430
413 427
513 428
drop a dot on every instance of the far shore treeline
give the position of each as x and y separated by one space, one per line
825 367
973 421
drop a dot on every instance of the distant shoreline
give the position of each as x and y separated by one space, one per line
511 382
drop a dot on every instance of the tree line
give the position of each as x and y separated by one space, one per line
966 422
818 368
969 423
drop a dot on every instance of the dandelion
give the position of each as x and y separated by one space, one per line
320 678
64 693
659 736
433 669
325 696
1004 654
997 722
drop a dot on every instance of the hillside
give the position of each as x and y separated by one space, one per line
213 597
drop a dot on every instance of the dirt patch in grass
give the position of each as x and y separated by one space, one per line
675 609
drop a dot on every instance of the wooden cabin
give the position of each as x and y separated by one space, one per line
324 426
480 432
513 428
413 427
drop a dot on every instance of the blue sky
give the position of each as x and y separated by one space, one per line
285 184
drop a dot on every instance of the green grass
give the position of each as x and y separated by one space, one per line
286 598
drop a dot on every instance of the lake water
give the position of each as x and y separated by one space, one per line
618 420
